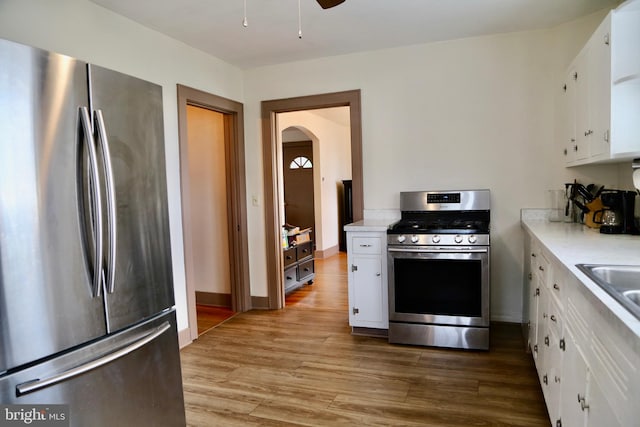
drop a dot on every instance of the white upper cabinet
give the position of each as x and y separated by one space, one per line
625 77
601 93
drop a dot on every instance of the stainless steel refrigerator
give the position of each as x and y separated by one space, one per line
87 315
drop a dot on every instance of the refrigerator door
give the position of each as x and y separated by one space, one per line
46 300
133 127
132 378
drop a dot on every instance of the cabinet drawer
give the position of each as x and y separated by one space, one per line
290 277
305 269
289 256
366 245
304 250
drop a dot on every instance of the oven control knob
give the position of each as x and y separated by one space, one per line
435 239
401 238
414 239
472 239
458 238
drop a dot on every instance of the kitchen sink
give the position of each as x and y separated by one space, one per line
622 282
634 296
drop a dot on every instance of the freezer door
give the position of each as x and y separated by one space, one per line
133 126
46 302
130 379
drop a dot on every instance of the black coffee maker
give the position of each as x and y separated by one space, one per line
618 214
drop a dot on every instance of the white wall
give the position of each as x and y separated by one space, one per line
88 32
469 113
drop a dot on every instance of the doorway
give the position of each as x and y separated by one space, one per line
224 119
270 109
297 180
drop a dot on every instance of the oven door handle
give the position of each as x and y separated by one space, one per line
440 250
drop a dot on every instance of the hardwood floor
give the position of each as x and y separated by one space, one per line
209 317
300 366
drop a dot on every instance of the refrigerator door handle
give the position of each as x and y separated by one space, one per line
38 384
111 200
96 200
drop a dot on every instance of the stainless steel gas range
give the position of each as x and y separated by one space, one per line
438 259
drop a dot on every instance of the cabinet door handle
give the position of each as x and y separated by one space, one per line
378 274
553 318
365 245
562 344
583 403
545 379
541 268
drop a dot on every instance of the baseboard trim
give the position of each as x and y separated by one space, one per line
260 303
326 253
184 338
213 298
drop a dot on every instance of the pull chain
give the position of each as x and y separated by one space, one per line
245 23
299 21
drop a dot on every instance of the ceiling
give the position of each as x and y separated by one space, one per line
271 37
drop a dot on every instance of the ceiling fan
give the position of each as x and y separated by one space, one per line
326 4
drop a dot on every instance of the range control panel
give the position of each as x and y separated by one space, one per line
443 198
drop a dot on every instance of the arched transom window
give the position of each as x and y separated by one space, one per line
300 163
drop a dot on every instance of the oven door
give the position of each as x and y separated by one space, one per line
442 286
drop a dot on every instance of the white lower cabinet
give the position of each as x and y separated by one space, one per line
367 269
584 403
588 374
574 385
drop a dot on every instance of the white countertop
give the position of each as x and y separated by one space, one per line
573 244
369 225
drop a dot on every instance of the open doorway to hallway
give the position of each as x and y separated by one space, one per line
315 159
209 258
213 190
272 117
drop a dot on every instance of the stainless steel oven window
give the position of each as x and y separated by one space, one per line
439 287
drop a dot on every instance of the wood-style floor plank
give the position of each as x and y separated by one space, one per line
209 316
301 366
